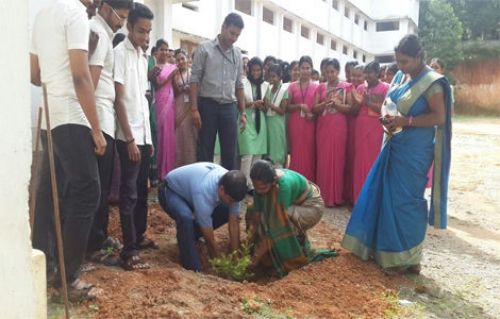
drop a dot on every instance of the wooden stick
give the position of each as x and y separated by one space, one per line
34 175
55 199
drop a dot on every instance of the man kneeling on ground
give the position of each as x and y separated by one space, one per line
202 197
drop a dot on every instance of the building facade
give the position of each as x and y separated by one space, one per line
361 30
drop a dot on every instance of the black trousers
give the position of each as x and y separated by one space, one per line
222 119
133 197
78 187
99 230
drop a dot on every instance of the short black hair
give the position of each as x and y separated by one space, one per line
306 59
351 64
235 184
179 51
276 69
139 11
333 62
323 63
269 58
119 37
393 68
234 19
161 42
410 45
120 4
263 171
373 66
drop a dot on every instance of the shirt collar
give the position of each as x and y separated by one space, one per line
104 24
130 46
217 43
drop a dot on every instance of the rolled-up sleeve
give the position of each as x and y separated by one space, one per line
198 66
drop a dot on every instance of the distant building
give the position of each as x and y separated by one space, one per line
361 30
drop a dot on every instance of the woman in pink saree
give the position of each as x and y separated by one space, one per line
301 122
333 102
369 131
165 111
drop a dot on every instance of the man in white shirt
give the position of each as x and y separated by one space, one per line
110 18
133 138
59 60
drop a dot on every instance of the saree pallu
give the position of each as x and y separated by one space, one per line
288 248
390 218
165 123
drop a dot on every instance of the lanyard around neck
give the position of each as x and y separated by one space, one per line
233 61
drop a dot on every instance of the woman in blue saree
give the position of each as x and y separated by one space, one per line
390 218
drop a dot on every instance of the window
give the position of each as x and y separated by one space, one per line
333 45
267 15
364 58
244 6
346 12
384 58
345 50
387 26
304 31
190 6
287 24
356 18
320 39
355 54
335 4
366 25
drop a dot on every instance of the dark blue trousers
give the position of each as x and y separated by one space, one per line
222 119
188 230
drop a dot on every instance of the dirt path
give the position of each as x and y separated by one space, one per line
461 266
460 278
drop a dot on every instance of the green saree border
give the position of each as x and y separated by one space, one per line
385 259
409 98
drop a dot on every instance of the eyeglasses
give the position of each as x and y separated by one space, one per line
122 19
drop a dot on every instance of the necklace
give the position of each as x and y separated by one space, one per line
302 93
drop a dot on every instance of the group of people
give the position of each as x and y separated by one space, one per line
294 143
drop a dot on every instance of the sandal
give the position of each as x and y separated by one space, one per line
78 291
104 257
134 263
112 243
148 243
86 267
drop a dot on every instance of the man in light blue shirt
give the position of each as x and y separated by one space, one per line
202 197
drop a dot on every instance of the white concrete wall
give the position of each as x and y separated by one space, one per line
260 38
16 281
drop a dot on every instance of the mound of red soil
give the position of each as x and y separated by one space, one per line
341 287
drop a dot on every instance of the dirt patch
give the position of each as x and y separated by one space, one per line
342 287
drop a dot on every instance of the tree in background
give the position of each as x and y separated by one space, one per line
480 18
440 31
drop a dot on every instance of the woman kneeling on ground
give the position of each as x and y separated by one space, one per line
285 206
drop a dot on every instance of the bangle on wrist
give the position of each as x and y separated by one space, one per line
243 114
130 141
194 110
